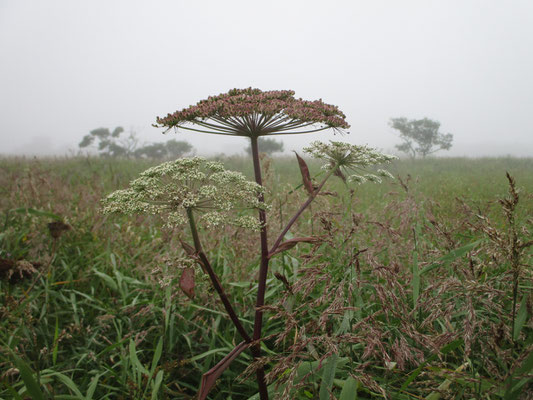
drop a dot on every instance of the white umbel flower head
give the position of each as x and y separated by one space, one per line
350 157
172 188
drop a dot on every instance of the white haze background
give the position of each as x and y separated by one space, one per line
68 67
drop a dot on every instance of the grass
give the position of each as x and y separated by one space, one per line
406 294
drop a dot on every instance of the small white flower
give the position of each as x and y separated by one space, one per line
358 179
385 174
351 157
373 178
172 188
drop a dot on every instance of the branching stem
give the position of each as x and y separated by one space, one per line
301 210
214 278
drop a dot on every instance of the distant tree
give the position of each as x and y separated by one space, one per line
172 149
110 144
421 136
268 146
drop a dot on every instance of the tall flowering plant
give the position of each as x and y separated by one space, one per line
187 187
254 113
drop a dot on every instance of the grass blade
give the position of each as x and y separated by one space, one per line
349 389
157 384
451 256
32 386
70 384
328 374
520 318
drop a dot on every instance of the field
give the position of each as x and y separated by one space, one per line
416 288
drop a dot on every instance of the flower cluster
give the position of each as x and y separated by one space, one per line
173 188
248 112
351 157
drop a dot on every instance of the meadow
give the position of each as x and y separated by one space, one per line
417 288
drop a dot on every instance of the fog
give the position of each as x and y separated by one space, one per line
68 67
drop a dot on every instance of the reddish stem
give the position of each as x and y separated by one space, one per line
300 211
263 270
214 279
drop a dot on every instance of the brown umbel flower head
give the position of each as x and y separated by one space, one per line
252 112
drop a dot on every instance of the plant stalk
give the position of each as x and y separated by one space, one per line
263 271
214 278
301 210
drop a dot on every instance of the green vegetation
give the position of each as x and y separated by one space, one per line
416 288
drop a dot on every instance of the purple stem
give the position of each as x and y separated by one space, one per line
263 270
301 210
214 279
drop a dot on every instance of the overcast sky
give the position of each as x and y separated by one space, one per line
67 67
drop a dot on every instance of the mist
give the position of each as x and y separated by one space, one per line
70 67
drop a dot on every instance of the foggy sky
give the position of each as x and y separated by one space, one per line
68 67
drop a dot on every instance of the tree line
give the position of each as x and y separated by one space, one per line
420 137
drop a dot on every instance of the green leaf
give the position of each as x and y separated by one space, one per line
444 350
38 213
70 384
451 256
208 353
134 360
349 389
520 318
415 282
514 387
107 279
32 386
157 356
56 343
92 387
13 392
157 383
328 374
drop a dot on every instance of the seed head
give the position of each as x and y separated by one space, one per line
253 112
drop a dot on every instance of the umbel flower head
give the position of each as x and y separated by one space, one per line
351 158
252 112
189 184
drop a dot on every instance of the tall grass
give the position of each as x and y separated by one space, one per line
409 292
